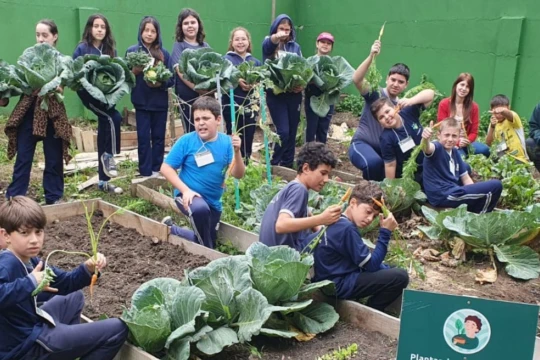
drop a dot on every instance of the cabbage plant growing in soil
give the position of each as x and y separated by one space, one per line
229 301
500 233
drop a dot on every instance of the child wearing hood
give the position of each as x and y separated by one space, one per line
151 101
284 108
240 51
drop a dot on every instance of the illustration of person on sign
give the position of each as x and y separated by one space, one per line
466 337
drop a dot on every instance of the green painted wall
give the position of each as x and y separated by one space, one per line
496 41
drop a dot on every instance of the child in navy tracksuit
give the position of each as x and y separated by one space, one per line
54 330
151 101
343 258
23 137
239 52
189 35
446 181
97 39
402 131
316 126
284 108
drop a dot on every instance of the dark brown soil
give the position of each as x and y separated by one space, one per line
132 260
371 346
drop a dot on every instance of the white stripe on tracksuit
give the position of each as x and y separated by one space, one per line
111 122
191 221
488 197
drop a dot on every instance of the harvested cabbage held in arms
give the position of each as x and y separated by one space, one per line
290 71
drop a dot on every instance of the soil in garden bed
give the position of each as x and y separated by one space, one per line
132 260
371 346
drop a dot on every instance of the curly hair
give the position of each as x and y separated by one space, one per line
315 154
476 320
181 17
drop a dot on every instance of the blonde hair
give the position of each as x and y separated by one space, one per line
248 35
449 122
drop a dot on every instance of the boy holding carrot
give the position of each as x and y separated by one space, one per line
204 158
52 331
446 181
506 128
286 219
343 258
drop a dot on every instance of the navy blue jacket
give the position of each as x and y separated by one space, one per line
239 94
143 96
86 49
269 48
20 325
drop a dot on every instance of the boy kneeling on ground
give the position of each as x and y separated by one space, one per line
203 157
52 331
446 181
286 220
343 258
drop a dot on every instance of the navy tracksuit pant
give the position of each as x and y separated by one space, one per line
316 127
367 159
151 127
53 175
69 339
480 197
285 111
204 221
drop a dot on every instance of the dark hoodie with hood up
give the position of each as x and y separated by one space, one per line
143 96
269 48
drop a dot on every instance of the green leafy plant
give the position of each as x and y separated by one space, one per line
331 74
10 84
106 79
158 73
227 302
138 59
200 67
288 72
252 74
346 353
402 195
351 103
42 67
430 113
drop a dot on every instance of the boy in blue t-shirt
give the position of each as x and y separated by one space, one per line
402 130
286 219
446 181
342 256
203 158
53 330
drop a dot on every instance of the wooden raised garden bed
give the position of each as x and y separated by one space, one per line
146 246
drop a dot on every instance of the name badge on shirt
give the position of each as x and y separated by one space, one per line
204 158
45 316
406 144
502 147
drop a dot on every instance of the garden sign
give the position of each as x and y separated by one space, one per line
449 327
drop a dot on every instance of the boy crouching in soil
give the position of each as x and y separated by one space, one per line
342 256
52 331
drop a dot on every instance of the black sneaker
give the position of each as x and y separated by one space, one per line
109 165
110 188
167 220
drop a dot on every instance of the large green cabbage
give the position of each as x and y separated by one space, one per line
331 74
106 79
290 71
201 66
10 84
252 74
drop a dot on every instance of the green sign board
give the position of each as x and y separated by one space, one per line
448 327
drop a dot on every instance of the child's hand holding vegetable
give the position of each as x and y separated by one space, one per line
236 142
330 215
389 222
428 132
38 274
137 70
243 85
99 263
375 48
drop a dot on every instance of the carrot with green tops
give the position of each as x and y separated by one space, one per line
92 283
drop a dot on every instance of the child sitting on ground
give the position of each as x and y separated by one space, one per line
446 181
342 256
506 128
286 219
52 331
402 131
203 157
